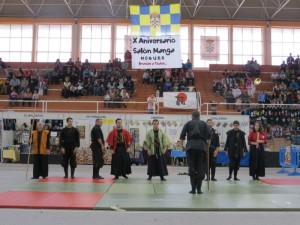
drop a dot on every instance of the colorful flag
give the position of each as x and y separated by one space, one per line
155 20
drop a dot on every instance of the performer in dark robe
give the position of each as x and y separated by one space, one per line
119 140
41 149
156 144
69 143
257 138
235 146
213 150
98 148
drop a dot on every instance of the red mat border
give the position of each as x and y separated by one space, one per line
281 181
50 200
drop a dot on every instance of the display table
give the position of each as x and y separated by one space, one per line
11 154
271 159
175 154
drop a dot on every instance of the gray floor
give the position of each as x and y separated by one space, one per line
13 176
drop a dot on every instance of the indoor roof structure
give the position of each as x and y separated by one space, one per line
264 10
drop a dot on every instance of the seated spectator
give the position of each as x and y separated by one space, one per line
125 97
229 98
78 63
282 86
128 58
27 96
23 85
88 86
72 91
35 97
79 90
146 77
66 89
96 87
57 65
15 84
3 90
293 85
290 60
32 83
13 96
283 67
86 65
107 100
261 97
9 72
20 74
183 86
70 63
188 65
2 64
190 77
168 86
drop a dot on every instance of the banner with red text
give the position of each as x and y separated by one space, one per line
156 52
180 100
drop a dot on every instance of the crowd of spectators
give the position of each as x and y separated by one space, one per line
286 88
235 87
79 79
167 80
253 68
22 85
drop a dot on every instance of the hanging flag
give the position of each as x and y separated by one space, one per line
210 48
155 20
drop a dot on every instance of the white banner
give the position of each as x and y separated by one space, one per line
156 52
180 100
210 48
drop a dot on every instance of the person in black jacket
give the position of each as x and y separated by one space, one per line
98 148
235 147
213 150
198 138
69 143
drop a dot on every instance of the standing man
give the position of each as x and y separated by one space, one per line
98 148
69 143
213 150
151 104
119 140
156 143
40 140
198 138
235 147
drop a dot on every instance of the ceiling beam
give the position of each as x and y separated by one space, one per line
38 12
69 7
121 4
2 4
187 8
280 8
79 8
240 5
198 5
265 9
28 7
226 9
108 3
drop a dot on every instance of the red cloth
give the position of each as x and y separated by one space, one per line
112 138
253 137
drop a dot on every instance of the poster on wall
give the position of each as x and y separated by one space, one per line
81 130
210 48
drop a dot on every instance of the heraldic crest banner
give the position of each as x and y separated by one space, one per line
210 48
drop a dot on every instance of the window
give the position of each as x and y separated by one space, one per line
121 32
184 43
247 43
222 33
16 42
284 41
95 43
54 42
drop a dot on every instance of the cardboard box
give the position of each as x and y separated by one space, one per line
280 142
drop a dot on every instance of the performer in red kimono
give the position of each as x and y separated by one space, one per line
119 140
257 138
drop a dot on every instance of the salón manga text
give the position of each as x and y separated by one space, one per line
166 51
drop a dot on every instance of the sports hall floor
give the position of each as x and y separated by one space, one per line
137 201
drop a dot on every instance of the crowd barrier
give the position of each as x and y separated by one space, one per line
289 157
